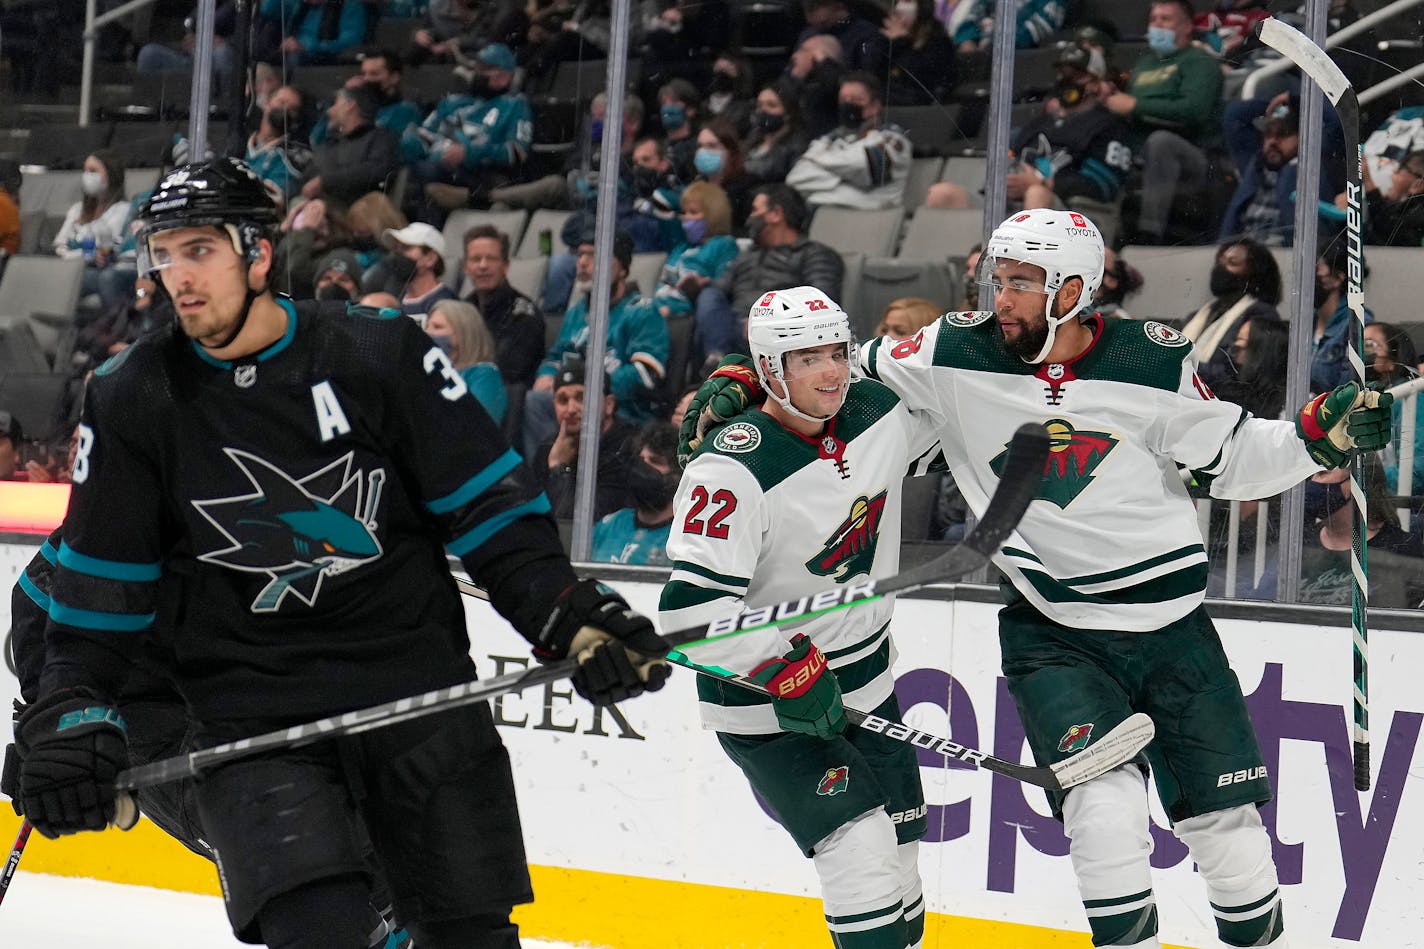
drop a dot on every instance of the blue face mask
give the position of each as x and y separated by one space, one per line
595 130
1162 40
673 116
708 161
442 340
695 230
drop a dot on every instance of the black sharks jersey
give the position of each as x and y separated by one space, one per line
298 504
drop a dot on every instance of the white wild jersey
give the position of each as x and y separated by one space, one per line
765 515
1111 541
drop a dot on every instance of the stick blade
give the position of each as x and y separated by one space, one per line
1299 49
1113 750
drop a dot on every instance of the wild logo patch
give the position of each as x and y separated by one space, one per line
1164 335
850 550
1073 456
834 781
738 437
297 531
1075 738
967 317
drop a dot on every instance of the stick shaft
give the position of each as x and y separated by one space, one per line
16 852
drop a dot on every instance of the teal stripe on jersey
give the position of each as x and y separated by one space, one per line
1169 586
724 578
108 569
48 552
472 539
477 485
34 592
94 619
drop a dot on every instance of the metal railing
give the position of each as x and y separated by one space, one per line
1248 90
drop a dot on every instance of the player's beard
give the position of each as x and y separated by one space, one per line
1029 341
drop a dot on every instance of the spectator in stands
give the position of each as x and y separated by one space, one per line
556 458
1264 139
1259 358
1120 280
380 70
921 64
94 229
512 318
814 73
862 164
338 276
575 186
636 343
729 93
1230 29
906 316
777 138
638 534
1390 359
1325 570
459 26
1394 216
718 160
313 229
308 33
122 325
473 142
679 409
679 40
10 180
458 329
705 253
780 256
1245 282
418 254
267 94
862 45
359 157
971 278
972 23
1330 360
156 57
11 436
275 157
1173 101
678 108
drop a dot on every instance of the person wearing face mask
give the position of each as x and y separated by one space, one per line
1120 280
359 156
922 67
1391 358
639 534
719 161
457 327
1333 326
778 136
729 92
471 142
274 155
381 70
94 228
417 253
1173 102
1245 283
862 164
814 76
707 249
338 276
862 43
678 108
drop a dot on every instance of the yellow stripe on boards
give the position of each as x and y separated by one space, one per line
585 906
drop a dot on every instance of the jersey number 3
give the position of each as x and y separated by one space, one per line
436 358
714 526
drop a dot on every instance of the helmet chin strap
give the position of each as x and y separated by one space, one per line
785 402
227 341
1053 324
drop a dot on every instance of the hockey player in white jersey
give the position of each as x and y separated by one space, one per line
1106 573
782 503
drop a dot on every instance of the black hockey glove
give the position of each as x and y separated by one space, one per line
10 773
72 745
589 621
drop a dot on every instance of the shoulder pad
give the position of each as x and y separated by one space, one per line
1164 335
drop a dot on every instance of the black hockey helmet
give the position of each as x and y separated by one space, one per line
221 192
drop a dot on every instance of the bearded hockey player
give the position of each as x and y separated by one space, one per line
780 504
298 473
1106 573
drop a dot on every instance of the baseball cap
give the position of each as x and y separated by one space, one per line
571 372
1086 58
342 260
415 234
1284 114
499 56
10 427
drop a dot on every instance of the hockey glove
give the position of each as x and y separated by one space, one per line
727 393
619 654
804 692
72 745
10 773
1343 421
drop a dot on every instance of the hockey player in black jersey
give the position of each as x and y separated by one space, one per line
300 472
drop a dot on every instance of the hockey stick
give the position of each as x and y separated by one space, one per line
1312 60
1117 747
1023 471
8 874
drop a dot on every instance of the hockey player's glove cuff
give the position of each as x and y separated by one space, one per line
731 389
620 655
1343 421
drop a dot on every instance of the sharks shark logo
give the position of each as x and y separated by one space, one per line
850 550
1073 456
297 531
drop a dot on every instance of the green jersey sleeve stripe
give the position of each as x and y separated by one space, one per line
681 595
697 569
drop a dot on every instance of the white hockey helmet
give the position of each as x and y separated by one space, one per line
1065 244
783 321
